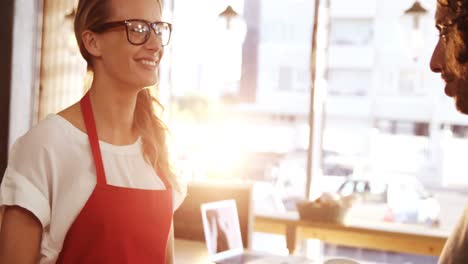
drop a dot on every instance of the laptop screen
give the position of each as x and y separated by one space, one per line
221 228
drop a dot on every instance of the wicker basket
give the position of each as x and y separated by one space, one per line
322 212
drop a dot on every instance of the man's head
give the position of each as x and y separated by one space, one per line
450 57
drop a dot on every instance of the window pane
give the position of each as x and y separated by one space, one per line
387 115
349 82
239 112
351 31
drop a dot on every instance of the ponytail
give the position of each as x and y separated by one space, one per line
153 134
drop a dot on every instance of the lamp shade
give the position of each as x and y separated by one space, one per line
231 25
413 37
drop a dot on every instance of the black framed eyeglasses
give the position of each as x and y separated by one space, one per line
139 30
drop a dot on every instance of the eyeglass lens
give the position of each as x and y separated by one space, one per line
139 32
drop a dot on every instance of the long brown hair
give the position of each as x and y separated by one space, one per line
152 129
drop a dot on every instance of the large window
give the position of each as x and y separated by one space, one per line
240 113
403 127
243 115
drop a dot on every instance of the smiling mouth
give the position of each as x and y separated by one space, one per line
148 62
446 78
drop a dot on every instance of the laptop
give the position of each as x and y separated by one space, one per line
224 241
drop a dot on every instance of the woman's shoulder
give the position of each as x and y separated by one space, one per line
73 116
53 130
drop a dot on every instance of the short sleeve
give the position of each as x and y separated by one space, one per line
455 248
25 181
179 196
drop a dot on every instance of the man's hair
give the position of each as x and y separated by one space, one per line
457 42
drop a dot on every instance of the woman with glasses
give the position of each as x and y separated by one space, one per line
93 183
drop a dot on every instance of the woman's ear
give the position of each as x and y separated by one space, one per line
91 43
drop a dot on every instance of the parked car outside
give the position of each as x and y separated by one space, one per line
394 198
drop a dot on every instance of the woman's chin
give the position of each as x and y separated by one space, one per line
150 83
146 82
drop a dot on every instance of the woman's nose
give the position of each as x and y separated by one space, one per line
154 41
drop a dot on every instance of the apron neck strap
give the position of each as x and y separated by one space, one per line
90 124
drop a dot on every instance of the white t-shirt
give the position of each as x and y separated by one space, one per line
51 173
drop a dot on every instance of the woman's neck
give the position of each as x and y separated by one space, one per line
114 108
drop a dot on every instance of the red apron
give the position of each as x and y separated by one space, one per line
118 224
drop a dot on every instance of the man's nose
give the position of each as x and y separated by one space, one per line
437 59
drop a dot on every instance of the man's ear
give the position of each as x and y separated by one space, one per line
91 43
